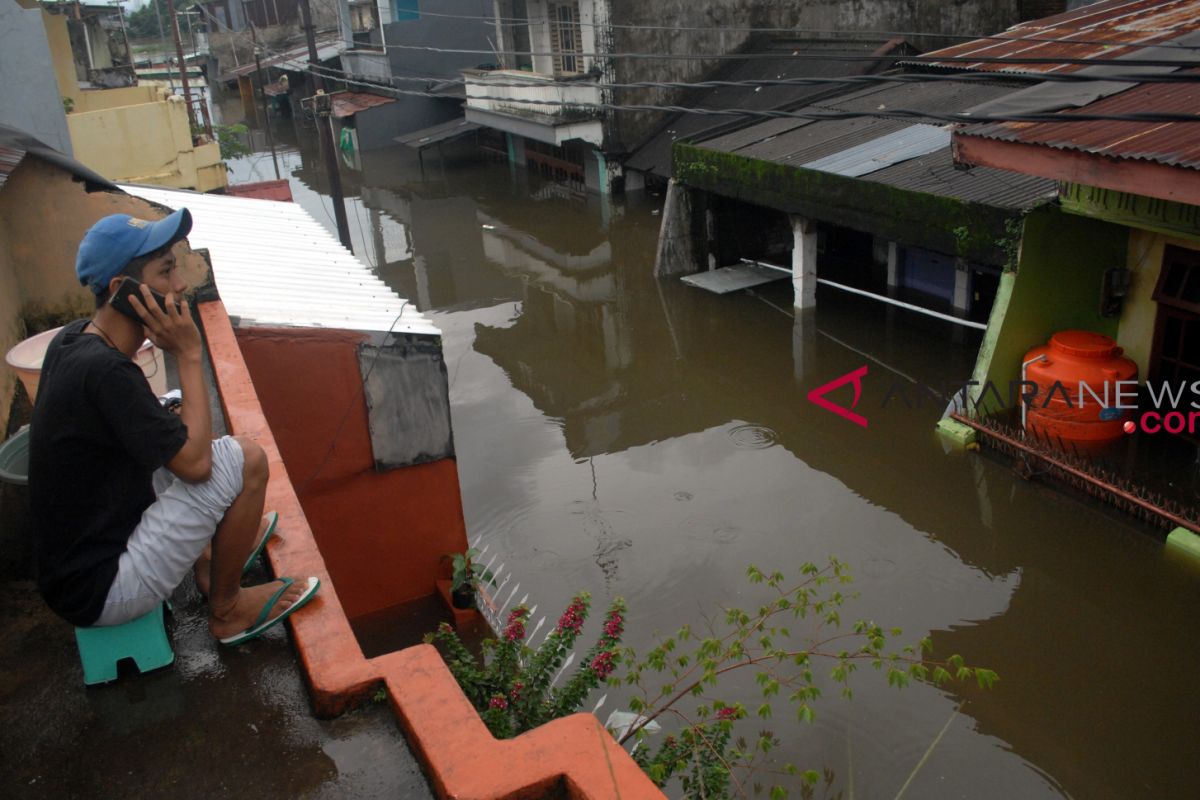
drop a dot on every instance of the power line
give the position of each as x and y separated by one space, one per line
832 32
910 59
923 77
831 114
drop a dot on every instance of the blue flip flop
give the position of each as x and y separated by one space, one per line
262 624
262 544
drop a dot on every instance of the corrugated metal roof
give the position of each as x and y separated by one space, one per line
654 155
279 190
833 143
276 265
9 158
1101 32
935 173
798 141
347 104
1174 143
892 148
293 60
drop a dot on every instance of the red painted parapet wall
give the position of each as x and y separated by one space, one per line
462 759
382 534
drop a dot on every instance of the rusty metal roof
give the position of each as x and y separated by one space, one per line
1101 32
347 104
1173 143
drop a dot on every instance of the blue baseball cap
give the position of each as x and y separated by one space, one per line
114 241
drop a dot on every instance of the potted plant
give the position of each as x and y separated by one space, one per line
465 576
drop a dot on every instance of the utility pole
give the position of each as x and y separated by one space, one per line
322 105
262 87
187 92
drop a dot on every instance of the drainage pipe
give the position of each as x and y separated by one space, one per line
927 312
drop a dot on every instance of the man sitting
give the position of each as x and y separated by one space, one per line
127 496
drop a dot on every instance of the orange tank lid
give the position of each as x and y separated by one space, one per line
1084 344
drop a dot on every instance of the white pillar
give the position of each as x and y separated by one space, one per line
804 345
804 262
893 265
962 286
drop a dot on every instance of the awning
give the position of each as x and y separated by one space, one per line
437 134
347 104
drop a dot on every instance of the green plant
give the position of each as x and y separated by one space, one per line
465 572
512 686
68 105
230 140
1010 243
961 234
704 753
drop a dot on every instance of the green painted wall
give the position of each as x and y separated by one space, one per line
972 230
1056 287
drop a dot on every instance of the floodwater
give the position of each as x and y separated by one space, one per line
640 438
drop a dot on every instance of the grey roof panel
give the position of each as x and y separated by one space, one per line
935 173
889 149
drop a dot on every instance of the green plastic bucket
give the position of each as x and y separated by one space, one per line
14 458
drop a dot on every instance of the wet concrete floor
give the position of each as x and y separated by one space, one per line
638 437
218 723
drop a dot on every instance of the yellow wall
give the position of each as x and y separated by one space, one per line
1136 327
100 99
60 52
146 143
44 214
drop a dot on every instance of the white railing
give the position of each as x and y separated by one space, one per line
536 95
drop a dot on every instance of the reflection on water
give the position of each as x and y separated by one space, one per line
637 437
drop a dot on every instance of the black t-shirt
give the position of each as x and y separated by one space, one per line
96 437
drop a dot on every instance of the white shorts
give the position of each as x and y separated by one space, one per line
172 534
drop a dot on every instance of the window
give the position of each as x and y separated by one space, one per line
567 42
404 10
1176 353
364 21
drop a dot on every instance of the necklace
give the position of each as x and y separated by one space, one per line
107 338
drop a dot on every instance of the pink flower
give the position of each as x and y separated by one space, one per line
728 712
514 631
515 694
498 702
572 618
603 664
614 627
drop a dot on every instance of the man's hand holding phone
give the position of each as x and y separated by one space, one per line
168 322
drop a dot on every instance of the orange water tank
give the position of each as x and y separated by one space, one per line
1077 389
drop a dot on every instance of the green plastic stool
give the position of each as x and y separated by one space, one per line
143 639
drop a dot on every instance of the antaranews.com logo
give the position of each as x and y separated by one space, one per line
1176 405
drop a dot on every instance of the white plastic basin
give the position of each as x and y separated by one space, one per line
25 359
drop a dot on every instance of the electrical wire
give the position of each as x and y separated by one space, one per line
831 32
848 80
830 114
938 61
362 388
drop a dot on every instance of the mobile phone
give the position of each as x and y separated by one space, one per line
129 287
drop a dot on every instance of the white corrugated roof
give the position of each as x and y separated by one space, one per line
276 265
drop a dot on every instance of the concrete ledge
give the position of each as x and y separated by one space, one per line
574 754
1185 542
960 434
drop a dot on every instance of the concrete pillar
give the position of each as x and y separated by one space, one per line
962 286
893 265
676 244
804 262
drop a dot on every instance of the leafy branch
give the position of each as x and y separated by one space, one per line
703 753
